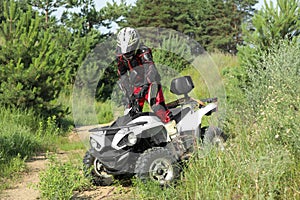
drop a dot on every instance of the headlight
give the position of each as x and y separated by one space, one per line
131 139
95 144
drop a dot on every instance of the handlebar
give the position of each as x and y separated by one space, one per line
210 100
175 103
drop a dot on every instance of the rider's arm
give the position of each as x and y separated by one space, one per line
151 73
124 79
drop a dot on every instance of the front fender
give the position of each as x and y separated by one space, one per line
148 130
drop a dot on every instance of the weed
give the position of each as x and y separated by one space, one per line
60 180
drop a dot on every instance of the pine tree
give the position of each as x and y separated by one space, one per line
264 36
149 13
215 24
113 12
274 23
239 11
216 32
31 66
46 6
270 25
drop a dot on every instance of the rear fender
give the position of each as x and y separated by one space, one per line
192 120
211 107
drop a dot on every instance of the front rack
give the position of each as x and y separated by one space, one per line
117 127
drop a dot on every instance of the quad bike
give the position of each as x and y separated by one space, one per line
141 145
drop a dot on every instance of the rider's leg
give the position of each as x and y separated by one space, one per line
156 100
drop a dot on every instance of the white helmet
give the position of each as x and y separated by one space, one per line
128 40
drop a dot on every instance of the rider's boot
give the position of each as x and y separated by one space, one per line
171 129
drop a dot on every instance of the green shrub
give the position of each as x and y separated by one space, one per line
91 112
274 96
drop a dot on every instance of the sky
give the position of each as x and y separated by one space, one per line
261 3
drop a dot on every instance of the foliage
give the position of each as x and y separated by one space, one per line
269 25
31 64
15 137
273 23
1 11
89 18
173 52
46 6
274 95
60 180
104 112
113 12
98 73
40 58
214 24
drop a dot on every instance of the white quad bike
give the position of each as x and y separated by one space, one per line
141 146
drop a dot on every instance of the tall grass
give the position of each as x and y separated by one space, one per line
22 135
274 97
261 160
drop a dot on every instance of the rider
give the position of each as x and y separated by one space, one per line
136 66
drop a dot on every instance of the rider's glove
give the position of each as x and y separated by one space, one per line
134 106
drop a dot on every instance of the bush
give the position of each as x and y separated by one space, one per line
274 96
33 65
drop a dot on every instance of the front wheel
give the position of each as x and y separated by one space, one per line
94 170
157 164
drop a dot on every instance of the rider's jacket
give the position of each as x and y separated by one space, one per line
142 63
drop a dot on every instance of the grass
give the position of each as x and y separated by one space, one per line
61 179
85 110
261 160
23 134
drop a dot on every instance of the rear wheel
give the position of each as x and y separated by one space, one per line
94 170
214 136
157 164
